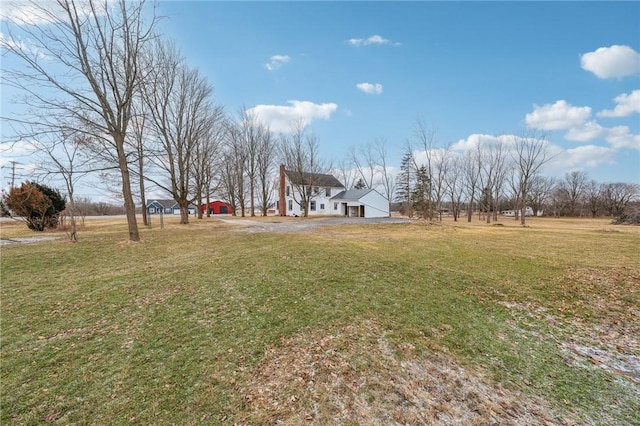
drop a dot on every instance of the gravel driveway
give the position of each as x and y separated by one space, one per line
303 225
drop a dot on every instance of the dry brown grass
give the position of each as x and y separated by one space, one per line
353 376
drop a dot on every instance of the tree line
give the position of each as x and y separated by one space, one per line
496 175
105 94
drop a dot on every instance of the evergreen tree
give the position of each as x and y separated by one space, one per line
38 205
360 184
421 192
405 185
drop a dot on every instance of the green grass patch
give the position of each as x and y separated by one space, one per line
168 330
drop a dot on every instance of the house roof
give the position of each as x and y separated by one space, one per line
352 194
315 179
167 204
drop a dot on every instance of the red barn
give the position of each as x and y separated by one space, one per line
217 207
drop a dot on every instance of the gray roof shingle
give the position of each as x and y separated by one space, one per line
315 179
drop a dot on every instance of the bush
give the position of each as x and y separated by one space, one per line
38 205
630 216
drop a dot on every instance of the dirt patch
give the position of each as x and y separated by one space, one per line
25 240
354 376
596 321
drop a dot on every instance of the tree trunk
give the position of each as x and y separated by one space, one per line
252 190
73 237
199 203
143 200
129 205
184 212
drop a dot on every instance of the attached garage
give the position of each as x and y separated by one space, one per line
367 203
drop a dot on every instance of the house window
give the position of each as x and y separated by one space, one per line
152 210
313 206
335 206
287 192
290 205
321 207
328 192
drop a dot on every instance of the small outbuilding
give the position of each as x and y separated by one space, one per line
217 207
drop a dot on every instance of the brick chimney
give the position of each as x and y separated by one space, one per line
282 202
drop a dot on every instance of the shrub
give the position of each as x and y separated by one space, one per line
38 205
630 216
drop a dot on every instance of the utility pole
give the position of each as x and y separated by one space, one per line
13 173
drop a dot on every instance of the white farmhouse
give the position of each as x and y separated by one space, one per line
327 197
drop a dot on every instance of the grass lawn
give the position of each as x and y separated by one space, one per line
409 323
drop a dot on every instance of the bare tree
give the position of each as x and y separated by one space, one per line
492 175
593 197
386 178
300 153
265 162
207 156
137 140
540 189
364 162
455 185
229 176
471 176
251 131
62 160
530 153
239 154
616 196
425 138
345 173
178 100
441 163
571 188
90 75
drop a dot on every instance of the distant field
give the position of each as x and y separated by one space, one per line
382 324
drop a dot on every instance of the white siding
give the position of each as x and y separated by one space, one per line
375 205
320 198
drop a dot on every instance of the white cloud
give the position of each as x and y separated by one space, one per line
12 44
557 116
476 139
280 118
586 155
374 39
15 149
586 132
45 12
372 89
561 159
620 137
626 104
612 62
276 62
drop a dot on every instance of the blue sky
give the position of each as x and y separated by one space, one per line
360 71
478 68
